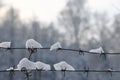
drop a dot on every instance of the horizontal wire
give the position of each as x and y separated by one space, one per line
64 49
60 70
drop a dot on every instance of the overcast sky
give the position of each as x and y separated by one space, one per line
48 10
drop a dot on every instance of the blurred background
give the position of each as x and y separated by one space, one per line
76 24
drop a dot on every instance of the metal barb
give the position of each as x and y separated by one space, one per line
32 50
86 70
103 54
64 71
110 71
11 74
27 73
40 72
58 49
81 52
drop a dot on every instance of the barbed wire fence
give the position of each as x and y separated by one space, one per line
86 70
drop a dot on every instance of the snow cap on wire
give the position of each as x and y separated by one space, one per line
5 44
55 46
63 66
98 50
42 66
31 43
11 68
25 63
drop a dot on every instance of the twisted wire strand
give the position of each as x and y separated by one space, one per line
90 70
74 50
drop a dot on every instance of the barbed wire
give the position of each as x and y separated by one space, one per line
64 49
27 72
82 70
74 50
80 51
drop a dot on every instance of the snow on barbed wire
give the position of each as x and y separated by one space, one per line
110 69
31 43
25 63
55 46
98 50
32 46
5 44
42 66
63 66
11 68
